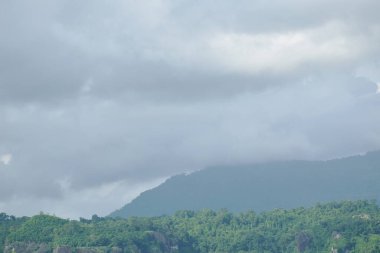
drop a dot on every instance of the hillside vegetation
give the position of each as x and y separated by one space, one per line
263 187
334 227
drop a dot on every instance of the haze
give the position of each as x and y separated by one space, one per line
101 100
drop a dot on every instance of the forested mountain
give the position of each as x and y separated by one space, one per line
334 227
329 228
263 187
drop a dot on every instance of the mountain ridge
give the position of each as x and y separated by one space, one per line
262 187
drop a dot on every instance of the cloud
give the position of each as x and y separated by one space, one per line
108 99
6 159
324 47
156 49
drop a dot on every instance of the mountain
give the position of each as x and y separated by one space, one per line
262 187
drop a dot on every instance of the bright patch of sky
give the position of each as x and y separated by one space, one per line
6 159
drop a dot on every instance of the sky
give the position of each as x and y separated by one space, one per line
101 100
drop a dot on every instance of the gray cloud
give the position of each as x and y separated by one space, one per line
101 100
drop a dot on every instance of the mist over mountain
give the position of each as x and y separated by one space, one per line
262 187
103 100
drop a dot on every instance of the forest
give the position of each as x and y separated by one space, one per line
336 227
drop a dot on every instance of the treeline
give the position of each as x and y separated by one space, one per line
333 227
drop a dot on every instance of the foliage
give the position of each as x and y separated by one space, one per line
342 227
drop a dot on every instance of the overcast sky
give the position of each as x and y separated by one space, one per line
100 100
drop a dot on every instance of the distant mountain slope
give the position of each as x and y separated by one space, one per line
263 187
